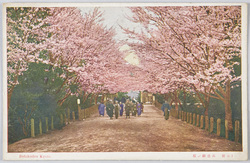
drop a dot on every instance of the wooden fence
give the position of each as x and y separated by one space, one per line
157 104
64 119
204 122
85 113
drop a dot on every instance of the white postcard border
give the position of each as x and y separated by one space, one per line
130 155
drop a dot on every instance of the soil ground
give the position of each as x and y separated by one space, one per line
148 133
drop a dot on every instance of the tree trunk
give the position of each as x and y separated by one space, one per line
228 110
61 101
205 102
96 98
179 101
207 98
10 91
23 126
166 96
102 100
9 96
176 100
64 82
206 110
85 97
184 98
91 99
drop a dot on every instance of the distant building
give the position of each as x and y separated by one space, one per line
147 97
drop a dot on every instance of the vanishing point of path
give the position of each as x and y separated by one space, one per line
148 133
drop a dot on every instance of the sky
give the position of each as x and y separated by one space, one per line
133 94
116 17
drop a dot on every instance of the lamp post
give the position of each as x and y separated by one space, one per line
79 110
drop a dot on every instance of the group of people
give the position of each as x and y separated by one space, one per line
130 107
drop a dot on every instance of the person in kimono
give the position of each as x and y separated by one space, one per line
138 107
134 110
128 108
121 108
117 108
166 108
101 108
110 109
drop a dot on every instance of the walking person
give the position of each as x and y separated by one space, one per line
101 108
117 108
121 108
134 110
138 107
127 108
110 109
166 108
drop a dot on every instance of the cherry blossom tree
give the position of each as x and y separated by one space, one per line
78 44
84 48
201 40
25 35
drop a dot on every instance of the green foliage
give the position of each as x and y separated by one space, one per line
189 103
36 97
159 98
139 97
122 95
236 102
236 68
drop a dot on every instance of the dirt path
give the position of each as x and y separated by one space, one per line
147 133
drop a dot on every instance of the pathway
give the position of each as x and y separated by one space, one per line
148 133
